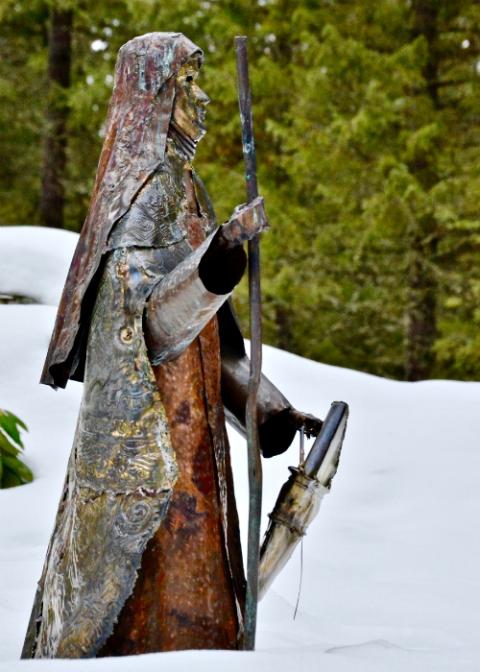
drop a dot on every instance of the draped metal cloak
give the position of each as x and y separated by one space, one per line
134 147
123 497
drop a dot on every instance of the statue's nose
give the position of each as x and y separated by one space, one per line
202 97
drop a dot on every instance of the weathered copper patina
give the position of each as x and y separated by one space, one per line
134 148
145 554
184 596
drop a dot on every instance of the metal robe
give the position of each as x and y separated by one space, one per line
123 464
145 554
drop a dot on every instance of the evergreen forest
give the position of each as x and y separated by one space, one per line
367 125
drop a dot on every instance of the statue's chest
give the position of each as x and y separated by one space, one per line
167 210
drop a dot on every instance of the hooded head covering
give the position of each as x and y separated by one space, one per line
134 147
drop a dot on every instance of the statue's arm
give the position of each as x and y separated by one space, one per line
182 303
277 419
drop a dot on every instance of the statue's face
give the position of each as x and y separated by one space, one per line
189 108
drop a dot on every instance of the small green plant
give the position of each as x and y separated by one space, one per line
12 470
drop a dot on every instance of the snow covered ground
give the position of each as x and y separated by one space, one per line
391 576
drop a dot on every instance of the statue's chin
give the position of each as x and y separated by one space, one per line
184 143
202 130
195 132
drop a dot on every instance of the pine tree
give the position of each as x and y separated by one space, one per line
52 199
366 124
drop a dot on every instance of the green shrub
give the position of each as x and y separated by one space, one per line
12 470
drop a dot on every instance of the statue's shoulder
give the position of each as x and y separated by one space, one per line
160 189
152 219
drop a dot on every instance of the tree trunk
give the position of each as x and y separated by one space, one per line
422 287
422 302
52 198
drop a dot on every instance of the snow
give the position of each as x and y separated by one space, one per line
35 261
390 571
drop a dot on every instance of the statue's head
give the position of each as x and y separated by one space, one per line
152 72
189 107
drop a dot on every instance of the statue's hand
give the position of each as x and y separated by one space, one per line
278 430
246 222
309 423
223 264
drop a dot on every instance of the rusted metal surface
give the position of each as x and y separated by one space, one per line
188 594
145 554
134 148
123 463
120 476
103 459
184 597
181 305
121 437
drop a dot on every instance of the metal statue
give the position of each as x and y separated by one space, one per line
145 554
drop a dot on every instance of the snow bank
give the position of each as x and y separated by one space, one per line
35 261
390 572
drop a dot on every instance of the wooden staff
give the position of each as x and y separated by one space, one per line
254 462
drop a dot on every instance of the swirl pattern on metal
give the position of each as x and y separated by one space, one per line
121 473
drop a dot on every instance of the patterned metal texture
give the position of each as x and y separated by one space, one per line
120 476
134 148
179 308
145 554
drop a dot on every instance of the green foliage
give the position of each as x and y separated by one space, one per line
366 124
372 159
12 470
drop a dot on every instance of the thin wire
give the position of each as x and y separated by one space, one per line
302 460
302 446
300 581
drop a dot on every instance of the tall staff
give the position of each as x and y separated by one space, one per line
254 462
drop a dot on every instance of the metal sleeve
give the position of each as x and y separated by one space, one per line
275 424
179 307
235 372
